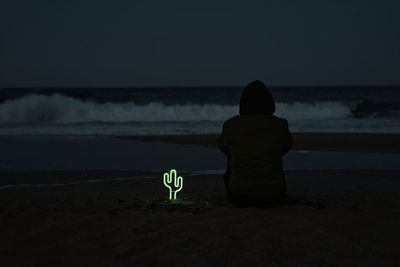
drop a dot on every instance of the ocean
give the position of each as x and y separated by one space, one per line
191 110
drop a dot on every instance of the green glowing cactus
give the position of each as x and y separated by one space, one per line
173 183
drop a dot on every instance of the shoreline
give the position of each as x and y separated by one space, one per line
355 142
314 141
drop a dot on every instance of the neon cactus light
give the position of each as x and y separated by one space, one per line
173 182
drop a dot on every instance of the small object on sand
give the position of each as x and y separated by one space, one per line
173 182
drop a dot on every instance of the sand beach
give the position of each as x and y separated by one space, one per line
331 217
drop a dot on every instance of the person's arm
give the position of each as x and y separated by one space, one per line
222 143
288 139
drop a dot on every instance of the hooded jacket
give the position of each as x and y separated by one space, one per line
255 141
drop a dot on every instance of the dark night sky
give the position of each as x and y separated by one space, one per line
167 43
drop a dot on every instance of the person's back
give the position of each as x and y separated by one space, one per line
255 142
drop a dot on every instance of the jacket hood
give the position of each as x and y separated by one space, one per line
256 99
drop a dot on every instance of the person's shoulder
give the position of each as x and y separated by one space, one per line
281 121
231 121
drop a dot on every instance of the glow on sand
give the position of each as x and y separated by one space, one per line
173 182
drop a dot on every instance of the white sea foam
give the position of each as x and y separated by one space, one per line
61 109
313 111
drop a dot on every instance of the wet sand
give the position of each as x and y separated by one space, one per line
356 142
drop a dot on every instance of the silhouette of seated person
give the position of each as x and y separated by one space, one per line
254 142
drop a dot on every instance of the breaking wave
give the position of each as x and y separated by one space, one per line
57 108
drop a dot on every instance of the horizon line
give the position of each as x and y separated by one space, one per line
190 86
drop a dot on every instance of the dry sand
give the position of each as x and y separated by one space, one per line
330 218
